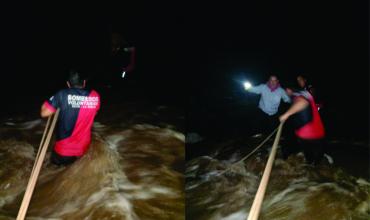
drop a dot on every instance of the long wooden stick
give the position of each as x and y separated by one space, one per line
41 143
257 202
34 175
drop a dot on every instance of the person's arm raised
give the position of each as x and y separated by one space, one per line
298 105
256 89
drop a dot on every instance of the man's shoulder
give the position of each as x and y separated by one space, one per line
71 91
94 92
304 94
310 86
61 92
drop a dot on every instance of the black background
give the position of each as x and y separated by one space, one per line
193 55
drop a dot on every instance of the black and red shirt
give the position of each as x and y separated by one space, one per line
308 124
78 108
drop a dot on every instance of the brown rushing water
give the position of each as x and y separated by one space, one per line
296 191
133 169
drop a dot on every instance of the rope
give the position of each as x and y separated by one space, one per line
252 152
37 167
257 202
259 146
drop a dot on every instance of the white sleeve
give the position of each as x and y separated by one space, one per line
256 89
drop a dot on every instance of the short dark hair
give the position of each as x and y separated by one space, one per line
303 76
75 79
273 75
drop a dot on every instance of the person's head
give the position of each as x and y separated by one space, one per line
301 81
273 81
75 80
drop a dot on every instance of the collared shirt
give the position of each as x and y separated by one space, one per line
270 100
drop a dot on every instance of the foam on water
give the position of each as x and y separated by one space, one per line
21 156
295 190
30 124
234 216
25 125
126 174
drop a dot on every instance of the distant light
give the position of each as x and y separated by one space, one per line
123 74
247 85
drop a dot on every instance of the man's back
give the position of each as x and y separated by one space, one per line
78 108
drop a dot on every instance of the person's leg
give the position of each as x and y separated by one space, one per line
272 123
318 153
61 160
306 146
269 123
287 149
313 151
261 122
288 139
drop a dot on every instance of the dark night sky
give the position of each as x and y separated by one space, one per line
328 42
325 40
194 52
42 42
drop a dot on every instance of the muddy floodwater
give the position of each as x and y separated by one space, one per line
217 188
133 169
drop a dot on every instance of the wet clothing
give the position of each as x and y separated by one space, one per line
62 160
310 89
270 98
265 123
313 149
78 108
308 124
308 129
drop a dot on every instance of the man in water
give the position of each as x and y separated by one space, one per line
307 125
271 95
78 107
122 60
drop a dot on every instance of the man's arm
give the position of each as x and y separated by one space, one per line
299 104
285 97
256 89
49 106
46 111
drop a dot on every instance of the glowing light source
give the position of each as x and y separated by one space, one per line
247 85
123 74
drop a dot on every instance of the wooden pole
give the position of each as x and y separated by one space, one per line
35 172
41 143
257 202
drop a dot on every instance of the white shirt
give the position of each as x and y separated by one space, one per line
270 101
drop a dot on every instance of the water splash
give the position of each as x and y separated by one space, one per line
132 173
216 189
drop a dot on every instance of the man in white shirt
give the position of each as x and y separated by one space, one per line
271 96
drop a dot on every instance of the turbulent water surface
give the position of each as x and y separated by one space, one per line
217 188
133 169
